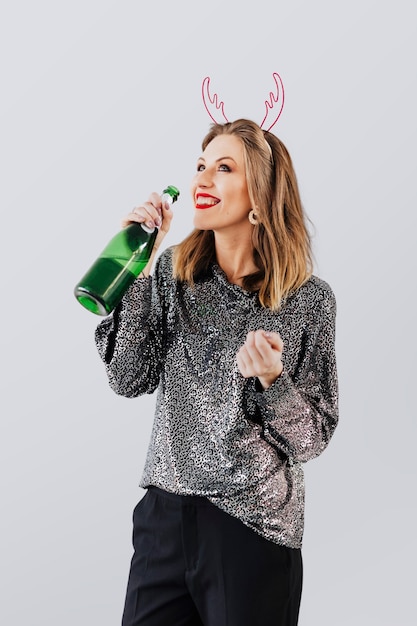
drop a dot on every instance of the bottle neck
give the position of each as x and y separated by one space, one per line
146 229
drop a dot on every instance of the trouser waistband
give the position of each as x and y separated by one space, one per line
179 498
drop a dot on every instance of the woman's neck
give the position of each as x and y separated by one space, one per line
235 257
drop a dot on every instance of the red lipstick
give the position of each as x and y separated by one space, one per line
205 201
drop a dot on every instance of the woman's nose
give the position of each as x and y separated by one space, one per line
204 178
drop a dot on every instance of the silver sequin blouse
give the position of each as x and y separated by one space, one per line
215 433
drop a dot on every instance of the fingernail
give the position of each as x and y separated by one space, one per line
158 222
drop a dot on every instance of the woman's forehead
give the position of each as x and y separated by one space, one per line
224 145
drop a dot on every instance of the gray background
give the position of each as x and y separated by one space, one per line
100 104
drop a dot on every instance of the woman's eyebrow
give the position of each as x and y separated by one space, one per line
217 160
225 157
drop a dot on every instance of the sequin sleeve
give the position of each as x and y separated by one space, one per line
300 410
130 341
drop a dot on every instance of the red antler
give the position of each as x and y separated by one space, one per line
273 99
210 101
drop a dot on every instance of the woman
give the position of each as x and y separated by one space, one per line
237 335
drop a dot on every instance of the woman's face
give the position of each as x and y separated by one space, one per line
219 189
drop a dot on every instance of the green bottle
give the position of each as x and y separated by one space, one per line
122 260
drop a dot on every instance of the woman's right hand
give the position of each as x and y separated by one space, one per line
154 214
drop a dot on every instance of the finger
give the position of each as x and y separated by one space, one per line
253 361
167 215
139 218
274 339
263 357
252 348
146 213
153 211
259 349
132 217
258 363
260 339
164 211
244 363
156 200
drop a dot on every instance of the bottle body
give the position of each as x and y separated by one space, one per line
102 287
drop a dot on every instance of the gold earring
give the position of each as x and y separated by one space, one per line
253 217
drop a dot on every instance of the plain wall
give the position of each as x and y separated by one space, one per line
100 105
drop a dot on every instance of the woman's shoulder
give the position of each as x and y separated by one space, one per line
163 273
320 286
316 294
164 261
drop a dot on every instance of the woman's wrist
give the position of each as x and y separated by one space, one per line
268 380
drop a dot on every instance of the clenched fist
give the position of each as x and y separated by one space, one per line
260 356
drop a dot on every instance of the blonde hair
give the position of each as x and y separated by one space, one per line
281 241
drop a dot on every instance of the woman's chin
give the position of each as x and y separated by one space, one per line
201 223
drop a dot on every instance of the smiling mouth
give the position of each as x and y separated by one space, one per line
206 202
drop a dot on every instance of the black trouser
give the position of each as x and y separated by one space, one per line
195 565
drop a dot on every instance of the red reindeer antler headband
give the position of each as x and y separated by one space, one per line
273 106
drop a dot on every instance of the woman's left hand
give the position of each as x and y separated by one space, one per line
260 356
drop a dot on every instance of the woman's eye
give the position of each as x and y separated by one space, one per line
222 167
